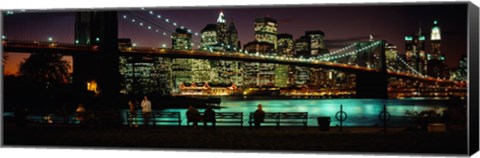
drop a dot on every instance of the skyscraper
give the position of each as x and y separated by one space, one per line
233 44
217 37
181 40
302 47
415 54
436 61
285 45
266 30
222 31
210 40
391 56
284 73
146 75
316 42
435 39
181 68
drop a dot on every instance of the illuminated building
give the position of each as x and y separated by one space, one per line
316 42
181 68
259 74
415 54
182 71
202 71
260 47
284 73
228 72
210 39
146 75
181 40
436 61
266 30
285 45
233 44
461 73
302 47
250 71
391 56
435 39
216 37
222 30
302 50
302 75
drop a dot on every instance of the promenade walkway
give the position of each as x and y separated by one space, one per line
352 139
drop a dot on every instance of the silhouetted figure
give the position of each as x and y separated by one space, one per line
258 116
146 110
133 114
20 116
193 116
81 114
209 116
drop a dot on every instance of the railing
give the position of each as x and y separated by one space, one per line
115 118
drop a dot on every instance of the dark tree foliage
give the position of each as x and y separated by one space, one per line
45 69
42 82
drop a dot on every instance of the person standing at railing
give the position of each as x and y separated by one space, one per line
146 110
258 116
133 114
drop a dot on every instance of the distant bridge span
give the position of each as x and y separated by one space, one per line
79 50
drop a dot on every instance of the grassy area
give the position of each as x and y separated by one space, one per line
237 138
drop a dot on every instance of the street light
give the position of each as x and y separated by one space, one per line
164 45
4 37
134 44
50 39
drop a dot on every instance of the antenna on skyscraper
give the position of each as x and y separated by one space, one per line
419 27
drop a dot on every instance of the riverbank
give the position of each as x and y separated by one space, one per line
294 139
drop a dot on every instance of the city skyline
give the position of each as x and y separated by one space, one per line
336 27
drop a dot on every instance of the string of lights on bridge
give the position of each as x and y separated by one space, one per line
143 24
174 24
328 58
408 66
338 51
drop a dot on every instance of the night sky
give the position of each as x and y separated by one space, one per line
340 24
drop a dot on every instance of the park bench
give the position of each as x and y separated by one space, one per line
155 117
279 118
225 118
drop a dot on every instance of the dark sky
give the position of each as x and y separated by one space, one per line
390 23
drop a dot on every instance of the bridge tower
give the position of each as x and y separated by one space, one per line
98 29
373 84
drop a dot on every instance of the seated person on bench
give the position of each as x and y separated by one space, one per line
209 116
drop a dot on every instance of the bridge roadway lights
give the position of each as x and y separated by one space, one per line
371 85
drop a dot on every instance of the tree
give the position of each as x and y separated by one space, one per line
47 69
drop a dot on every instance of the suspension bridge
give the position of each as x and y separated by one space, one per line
96 48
